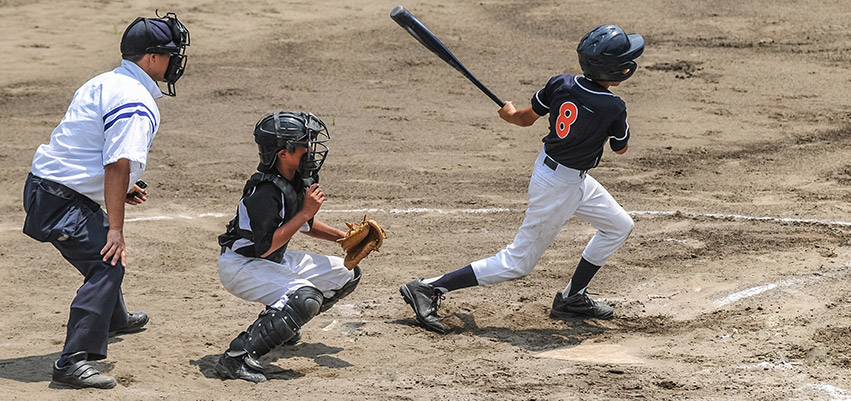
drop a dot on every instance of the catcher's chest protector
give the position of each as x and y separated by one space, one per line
293 201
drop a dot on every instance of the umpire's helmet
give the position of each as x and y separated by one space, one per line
288 130
606 52
166 35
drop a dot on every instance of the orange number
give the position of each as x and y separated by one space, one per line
566 117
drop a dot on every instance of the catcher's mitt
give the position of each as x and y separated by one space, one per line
360 241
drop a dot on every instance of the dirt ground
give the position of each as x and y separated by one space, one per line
733 285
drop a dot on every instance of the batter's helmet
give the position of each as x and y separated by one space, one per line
166 35
606 52
288 130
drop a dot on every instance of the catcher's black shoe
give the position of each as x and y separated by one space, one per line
424 299
79 374
136 322
579 305
238 367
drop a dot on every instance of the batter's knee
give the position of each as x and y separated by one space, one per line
629 225
623 226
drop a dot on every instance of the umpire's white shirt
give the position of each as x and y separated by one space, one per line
113 116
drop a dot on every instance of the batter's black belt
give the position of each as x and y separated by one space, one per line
549 162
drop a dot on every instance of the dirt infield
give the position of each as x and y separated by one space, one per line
734 284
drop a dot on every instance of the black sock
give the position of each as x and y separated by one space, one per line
585 271
461 278
63 360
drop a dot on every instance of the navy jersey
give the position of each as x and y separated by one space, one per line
583 116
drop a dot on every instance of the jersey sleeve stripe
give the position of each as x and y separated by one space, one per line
625 134
127 106
538 99
128 115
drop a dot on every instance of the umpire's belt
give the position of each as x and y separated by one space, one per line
556 166
62 191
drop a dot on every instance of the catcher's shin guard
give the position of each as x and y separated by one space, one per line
345 290
275 327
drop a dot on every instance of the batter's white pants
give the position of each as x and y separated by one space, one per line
554 197
270 283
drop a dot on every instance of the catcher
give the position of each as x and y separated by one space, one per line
280 199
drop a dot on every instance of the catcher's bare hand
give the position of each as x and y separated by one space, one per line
313 199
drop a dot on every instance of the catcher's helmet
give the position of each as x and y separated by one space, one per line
166 35
287 130
606 52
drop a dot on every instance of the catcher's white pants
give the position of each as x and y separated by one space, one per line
270 283
554 197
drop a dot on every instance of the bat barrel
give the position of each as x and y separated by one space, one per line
422 34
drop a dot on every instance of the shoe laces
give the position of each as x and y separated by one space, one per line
436 298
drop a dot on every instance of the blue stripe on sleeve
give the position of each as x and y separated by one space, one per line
128 115
127 106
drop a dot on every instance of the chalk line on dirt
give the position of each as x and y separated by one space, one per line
422 210
797 281
723 216
835 393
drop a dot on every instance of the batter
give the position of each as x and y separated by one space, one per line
583 116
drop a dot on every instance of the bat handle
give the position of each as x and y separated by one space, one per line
488 92
495 99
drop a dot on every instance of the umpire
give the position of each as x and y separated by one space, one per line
95 155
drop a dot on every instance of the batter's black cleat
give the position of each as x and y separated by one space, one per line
136 322
238 367
79 374
424 299
579 306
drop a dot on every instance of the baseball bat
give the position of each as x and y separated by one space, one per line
416 28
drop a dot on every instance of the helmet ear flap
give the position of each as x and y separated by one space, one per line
631 66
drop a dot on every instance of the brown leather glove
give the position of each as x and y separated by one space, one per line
360 241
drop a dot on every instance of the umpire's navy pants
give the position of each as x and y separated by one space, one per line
77 227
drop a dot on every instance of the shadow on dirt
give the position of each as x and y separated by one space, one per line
317 351
574 332
30 369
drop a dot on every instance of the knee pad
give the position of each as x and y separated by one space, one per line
345 290
304 304
275 327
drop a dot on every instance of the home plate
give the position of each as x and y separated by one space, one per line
593 353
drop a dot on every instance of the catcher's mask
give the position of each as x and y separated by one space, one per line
606 52
163 35
288 130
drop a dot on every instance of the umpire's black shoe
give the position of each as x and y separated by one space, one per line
579 305
79 374
424 299
136 322
234 366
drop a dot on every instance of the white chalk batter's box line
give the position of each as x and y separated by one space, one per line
719 216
